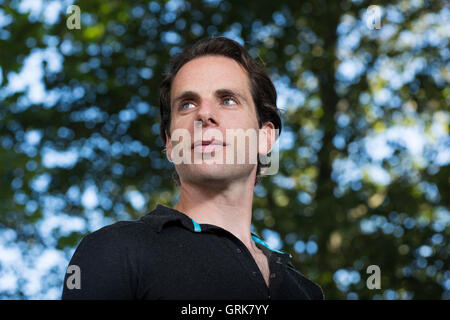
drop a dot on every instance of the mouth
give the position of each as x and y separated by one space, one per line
207 145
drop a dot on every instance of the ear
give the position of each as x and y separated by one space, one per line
168 147
267 138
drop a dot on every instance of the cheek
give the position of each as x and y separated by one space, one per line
252 117
245 122
181 122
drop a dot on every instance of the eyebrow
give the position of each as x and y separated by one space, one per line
218 93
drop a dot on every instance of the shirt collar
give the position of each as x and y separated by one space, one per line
162 215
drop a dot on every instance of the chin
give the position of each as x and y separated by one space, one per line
214 173
210 172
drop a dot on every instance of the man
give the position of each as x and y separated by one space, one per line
203 248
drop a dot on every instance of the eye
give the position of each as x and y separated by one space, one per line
229 101
184 106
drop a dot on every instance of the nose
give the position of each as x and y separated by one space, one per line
207 114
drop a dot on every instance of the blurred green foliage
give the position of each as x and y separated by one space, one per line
83 150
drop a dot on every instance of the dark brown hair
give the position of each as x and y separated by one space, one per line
261 87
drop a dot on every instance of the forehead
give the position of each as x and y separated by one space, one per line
209 73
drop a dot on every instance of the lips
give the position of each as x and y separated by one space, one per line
207 146
208 143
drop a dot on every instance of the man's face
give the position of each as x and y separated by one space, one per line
214 90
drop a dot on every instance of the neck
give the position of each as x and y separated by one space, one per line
228 206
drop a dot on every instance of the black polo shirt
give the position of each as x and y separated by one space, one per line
167 255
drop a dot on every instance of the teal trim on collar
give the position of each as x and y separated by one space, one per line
197 227
261 242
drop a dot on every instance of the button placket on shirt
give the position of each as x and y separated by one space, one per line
274 260
277 274
254 273
247 262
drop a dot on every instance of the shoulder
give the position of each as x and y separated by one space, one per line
313 290
133 234
117 232
121 229
112 240
108 261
